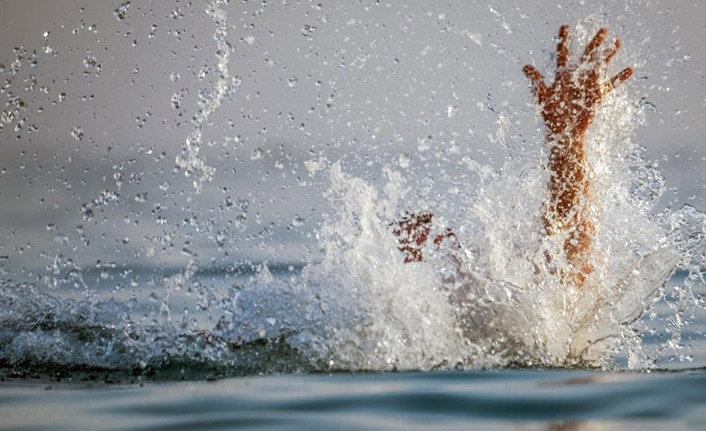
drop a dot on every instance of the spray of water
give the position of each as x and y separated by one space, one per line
209 100
486 299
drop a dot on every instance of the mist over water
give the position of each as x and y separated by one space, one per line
228 253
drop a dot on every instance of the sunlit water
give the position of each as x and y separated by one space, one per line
355 305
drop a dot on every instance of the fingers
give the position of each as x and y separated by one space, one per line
533 74
621 77
611 53
616 81
592 47
537 81
562 49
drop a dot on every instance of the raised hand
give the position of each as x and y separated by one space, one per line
571 102
568 108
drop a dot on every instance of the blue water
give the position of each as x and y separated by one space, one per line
492 400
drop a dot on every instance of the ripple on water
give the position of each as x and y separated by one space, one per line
552 400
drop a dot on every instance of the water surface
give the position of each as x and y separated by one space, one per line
492 400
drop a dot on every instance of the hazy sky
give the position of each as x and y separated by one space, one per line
95 124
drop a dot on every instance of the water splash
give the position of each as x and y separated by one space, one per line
209 100
493 302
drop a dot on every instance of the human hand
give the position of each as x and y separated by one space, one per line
571 102
413 231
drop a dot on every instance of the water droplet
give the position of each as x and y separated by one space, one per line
476 37
119 177
203 72
404 160
307 30
77 133
177 14
178 97
121 11
221 238
90 62
314 165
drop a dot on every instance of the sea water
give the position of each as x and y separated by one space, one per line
487 400
268 386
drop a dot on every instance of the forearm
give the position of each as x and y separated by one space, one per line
569 179
569 204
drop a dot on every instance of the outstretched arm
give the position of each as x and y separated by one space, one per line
568 108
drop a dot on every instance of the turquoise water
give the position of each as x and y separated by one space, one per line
492 400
